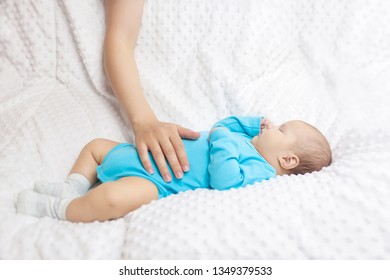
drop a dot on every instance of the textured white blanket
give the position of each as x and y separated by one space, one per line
326 62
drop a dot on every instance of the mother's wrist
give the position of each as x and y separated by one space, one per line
144 121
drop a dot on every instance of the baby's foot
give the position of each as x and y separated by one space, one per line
41 205
75 185
57 189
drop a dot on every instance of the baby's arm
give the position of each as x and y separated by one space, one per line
247 125
224 168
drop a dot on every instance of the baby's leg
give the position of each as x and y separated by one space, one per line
108 201
91 156
112 200
83 173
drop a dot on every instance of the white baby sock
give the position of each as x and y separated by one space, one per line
41 205
74 186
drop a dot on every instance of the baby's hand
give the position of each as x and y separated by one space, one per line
265 123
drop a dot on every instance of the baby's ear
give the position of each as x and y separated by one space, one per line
288 161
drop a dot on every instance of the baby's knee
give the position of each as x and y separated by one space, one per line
99 147
113 199
96 143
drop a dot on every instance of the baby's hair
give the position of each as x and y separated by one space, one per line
313 151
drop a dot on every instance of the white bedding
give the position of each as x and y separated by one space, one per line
326 62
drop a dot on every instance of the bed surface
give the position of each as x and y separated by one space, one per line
325 62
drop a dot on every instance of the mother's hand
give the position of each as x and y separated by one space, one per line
164 141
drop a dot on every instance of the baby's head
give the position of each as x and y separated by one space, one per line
294 147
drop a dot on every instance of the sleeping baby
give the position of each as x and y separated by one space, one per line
236 152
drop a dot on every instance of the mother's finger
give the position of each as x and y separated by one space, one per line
170 155
159 158
187 133
180 152
144 157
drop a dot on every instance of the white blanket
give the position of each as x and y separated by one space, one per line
326 62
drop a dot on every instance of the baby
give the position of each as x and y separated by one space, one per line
236 152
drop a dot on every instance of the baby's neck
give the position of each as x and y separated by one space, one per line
273 161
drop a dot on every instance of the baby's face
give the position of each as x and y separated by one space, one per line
276 139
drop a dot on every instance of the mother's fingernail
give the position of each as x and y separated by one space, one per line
179 174
167 178
186 168
150 170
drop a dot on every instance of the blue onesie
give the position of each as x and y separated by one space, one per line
227 160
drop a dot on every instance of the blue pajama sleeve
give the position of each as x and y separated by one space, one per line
247 125
224 168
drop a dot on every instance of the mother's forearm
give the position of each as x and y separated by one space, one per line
122 72
123 21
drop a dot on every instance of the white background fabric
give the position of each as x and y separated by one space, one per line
326 62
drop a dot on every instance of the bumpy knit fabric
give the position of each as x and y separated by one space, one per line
326 62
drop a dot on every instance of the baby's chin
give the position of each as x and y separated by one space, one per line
255 140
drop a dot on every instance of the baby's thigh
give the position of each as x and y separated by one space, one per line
100 148
129 193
